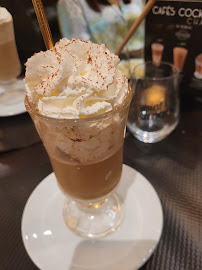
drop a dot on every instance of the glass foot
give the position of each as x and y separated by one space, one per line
94 219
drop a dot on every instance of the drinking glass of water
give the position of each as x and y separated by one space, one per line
154 111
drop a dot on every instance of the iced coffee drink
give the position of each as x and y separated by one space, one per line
79 103
157 52
10 66
179 57
12 90
198 67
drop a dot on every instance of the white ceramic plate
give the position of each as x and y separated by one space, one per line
51 245
12 99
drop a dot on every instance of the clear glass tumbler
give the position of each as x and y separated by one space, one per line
154 111
86 155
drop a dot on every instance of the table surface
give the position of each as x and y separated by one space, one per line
174 168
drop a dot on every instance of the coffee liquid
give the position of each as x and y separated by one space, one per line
88 181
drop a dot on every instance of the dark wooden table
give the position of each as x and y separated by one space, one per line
173 166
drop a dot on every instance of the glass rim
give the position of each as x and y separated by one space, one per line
118 108
175 74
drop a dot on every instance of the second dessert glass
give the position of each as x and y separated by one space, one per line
86 156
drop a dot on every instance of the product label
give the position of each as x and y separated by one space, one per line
174 34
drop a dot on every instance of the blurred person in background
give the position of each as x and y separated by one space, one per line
101 21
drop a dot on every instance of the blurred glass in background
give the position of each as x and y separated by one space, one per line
10 66
154 111
11 89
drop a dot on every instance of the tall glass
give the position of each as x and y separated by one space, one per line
10 66
86 155
11 89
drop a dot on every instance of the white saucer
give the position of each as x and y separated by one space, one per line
12 99
51 245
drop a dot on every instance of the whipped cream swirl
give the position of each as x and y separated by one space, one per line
75 79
